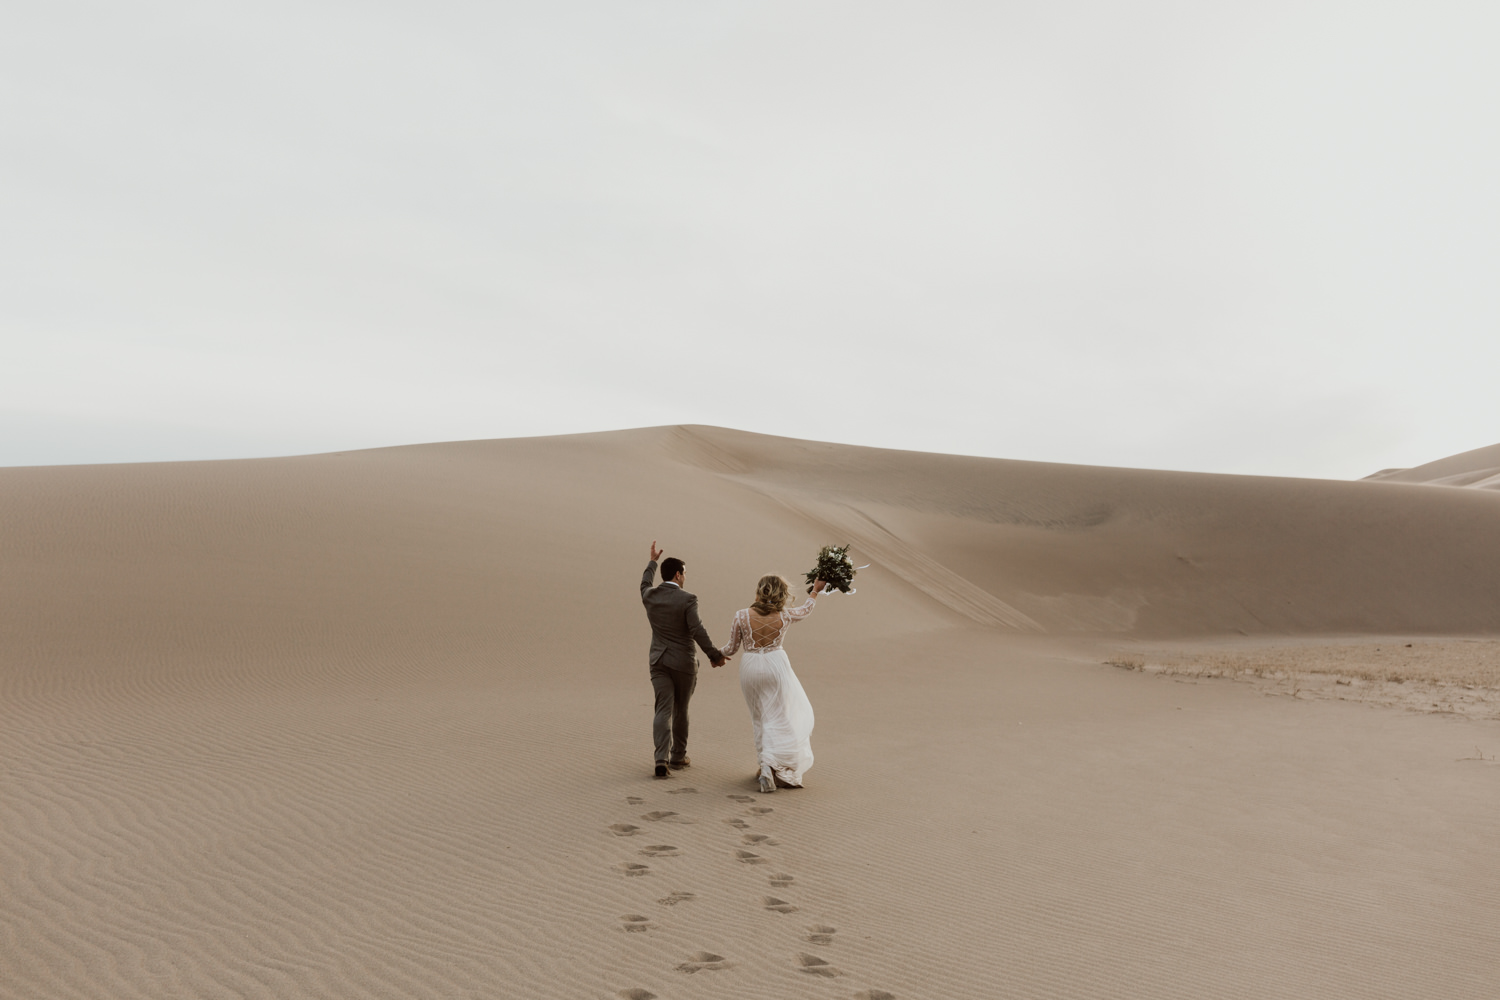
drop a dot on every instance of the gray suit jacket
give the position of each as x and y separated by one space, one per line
675 625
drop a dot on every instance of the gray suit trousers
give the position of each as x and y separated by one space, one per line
674 688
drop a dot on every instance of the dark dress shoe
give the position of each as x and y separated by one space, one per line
662 772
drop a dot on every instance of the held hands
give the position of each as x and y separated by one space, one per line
719 661
655 552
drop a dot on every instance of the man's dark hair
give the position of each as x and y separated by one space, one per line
670 567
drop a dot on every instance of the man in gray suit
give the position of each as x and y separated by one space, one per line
675 626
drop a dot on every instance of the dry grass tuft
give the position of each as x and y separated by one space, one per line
1438 675
1465 662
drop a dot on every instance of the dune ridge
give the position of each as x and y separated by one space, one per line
376 723
1478 469
1080 549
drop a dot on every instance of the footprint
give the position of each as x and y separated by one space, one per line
634 923
667 815
761 810
634 800
738 823
703 961
874 995
782 881
821 933
636 994
778 905
742 798
815 966
683 791
750 859
632 869
660 851
624 829
677 897
760 838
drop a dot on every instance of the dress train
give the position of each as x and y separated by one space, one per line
780 714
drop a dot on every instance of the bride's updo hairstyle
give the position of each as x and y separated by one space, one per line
770 595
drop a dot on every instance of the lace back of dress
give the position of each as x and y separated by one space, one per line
765 633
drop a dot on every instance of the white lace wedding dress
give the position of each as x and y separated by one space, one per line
779 709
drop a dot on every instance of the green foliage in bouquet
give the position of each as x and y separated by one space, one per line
835 568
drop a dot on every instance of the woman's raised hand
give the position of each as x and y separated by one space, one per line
819 586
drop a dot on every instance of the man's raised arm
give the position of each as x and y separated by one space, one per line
649 577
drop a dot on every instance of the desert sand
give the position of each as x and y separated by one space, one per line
377 724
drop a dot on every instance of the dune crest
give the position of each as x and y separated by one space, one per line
1478 469
1071 549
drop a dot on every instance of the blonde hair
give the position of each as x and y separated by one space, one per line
770 595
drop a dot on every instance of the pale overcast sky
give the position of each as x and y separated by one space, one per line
1253 237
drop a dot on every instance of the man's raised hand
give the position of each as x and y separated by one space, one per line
655 552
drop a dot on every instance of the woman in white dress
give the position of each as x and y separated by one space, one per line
779 709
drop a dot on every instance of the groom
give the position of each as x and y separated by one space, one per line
675 626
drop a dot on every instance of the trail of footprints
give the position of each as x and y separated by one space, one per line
820 935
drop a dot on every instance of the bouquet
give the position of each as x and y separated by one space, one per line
834 568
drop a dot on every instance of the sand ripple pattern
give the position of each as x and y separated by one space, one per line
290 845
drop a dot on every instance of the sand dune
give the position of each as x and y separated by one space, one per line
1081 549
1479 469
376 724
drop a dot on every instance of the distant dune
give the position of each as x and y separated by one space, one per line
1479 469
375 724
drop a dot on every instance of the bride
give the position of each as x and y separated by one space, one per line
779 709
